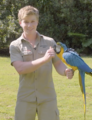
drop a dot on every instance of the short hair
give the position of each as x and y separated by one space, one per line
27 10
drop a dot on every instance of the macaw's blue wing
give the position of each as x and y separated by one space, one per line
73 59
82 86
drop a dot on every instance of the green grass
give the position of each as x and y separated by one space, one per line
69 96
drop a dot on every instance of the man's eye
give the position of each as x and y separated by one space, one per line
25 22
32 21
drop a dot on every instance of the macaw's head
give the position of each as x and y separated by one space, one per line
62 45
60 48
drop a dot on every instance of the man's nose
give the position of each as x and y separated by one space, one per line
29 24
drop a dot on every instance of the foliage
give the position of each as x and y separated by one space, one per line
69 21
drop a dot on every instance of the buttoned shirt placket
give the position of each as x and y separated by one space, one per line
35 75
36 71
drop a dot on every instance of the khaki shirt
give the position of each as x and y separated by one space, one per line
38 85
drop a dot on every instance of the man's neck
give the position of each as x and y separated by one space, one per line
30 37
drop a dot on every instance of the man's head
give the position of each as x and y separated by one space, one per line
28 19
26 11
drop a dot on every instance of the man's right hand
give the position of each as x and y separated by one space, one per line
50 53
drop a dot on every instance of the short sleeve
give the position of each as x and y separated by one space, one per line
15 54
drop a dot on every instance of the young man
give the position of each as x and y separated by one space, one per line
32 56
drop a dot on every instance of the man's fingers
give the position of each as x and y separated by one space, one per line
69 73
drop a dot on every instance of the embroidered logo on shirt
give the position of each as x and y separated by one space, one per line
26 51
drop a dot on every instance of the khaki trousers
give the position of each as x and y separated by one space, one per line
44 111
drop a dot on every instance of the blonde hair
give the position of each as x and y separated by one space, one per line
27 10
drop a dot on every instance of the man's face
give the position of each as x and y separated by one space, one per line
29 24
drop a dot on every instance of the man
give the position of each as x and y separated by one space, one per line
32 55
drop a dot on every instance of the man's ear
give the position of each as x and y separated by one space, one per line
20 23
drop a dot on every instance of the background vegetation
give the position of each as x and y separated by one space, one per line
69 96
69 21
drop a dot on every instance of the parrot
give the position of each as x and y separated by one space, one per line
72 59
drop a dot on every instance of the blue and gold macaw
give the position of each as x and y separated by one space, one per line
74 61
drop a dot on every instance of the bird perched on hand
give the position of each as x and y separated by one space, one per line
73 60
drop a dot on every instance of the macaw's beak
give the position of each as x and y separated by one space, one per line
57 49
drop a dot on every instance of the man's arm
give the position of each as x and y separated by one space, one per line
28 67
63 70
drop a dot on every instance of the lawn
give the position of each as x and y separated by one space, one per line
69 96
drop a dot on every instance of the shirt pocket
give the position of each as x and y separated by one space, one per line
42 51
27 55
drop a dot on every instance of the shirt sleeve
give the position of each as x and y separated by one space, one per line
15 54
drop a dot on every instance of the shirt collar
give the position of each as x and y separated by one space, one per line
37 39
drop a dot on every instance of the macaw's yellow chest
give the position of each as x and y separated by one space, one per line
63 60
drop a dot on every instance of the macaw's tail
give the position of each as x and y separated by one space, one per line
82 86
89 73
